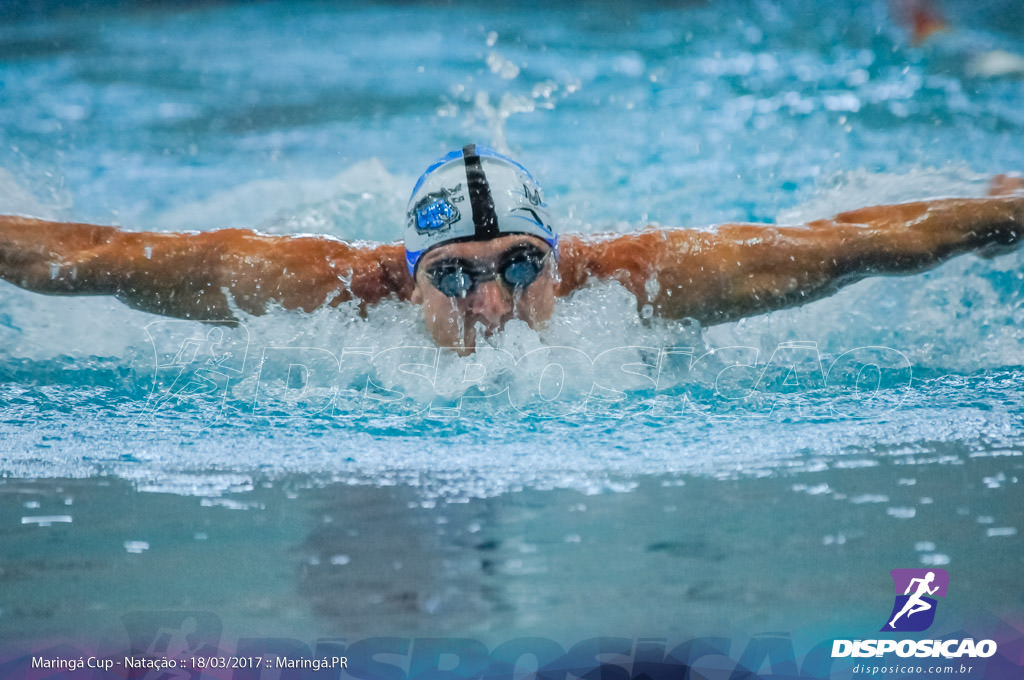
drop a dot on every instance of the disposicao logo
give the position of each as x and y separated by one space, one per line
912 612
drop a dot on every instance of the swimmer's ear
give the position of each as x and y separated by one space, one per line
417 295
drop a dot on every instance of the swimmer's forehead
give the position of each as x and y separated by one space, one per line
481 250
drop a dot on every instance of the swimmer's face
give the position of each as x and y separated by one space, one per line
455 321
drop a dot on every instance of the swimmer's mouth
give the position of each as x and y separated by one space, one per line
489 330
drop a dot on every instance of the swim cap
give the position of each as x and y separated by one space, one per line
474 194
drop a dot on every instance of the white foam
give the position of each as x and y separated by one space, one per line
858 188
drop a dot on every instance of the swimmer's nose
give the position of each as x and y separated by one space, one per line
491 303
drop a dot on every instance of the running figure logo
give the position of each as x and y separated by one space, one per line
914 610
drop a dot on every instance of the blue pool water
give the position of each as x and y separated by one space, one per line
610 474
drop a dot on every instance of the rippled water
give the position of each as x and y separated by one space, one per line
608 474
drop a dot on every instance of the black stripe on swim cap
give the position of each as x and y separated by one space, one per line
485 219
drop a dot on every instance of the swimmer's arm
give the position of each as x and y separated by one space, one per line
743 269
204 275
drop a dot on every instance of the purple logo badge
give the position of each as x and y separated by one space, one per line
916 589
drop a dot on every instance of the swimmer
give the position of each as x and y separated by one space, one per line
481 249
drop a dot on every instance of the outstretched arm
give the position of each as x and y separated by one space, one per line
745 269
196 275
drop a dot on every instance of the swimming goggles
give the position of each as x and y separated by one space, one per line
518 268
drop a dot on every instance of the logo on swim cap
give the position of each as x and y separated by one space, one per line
533 196
435 212
500 194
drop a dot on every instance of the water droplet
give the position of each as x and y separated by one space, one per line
1000 531
47 520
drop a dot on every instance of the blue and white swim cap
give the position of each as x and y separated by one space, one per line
474 194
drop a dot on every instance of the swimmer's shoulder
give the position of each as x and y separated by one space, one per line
628 257
320 264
